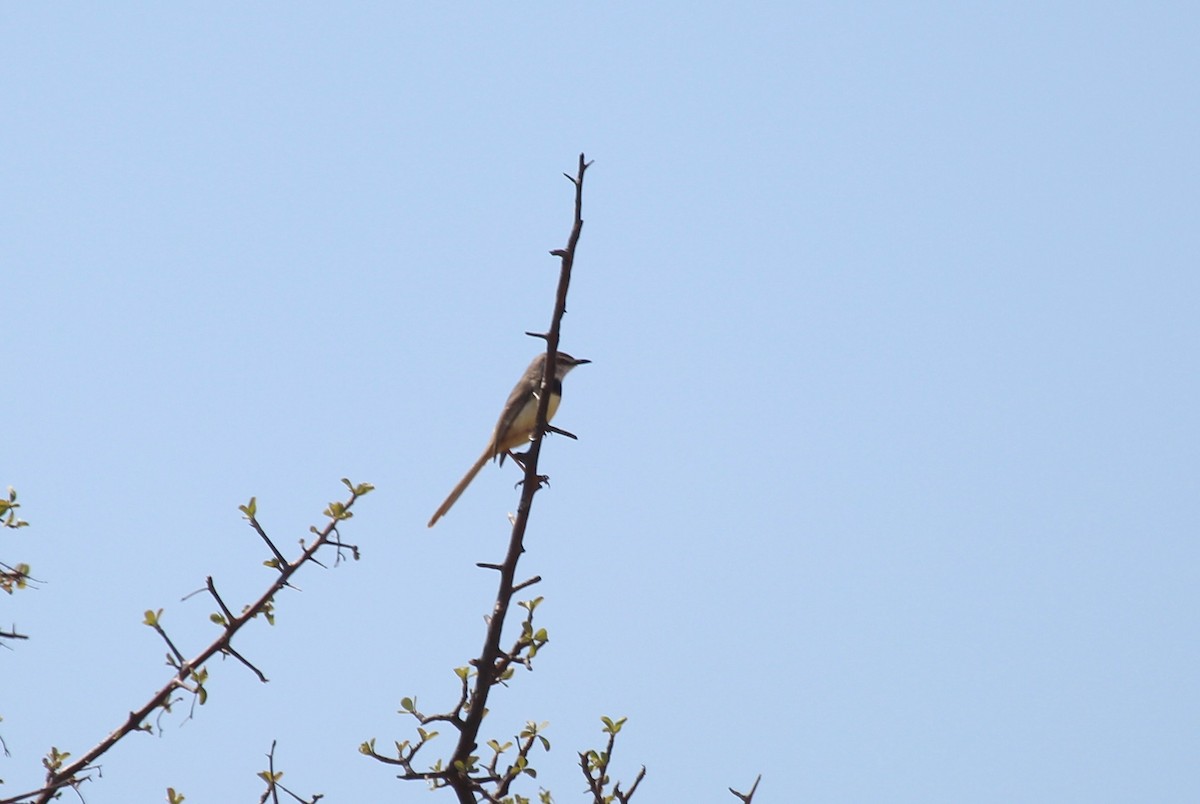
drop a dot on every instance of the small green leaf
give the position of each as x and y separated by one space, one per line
337 510
250 509
408 704
611 726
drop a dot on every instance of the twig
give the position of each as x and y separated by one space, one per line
747 797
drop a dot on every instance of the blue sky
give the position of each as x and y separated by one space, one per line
886 481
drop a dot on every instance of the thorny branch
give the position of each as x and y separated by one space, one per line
18 577
190 674
472 780
747 797
494 665
492 661
272 777
594 765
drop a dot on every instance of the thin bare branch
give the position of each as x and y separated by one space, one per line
212 590
747 797
229 650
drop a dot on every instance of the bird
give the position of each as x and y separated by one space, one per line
517 420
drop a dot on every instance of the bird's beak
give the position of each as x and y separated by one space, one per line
581 362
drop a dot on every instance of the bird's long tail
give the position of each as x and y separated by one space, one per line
460 488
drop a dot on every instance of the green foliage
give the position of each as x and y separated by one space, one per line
270 778
13 578
199 677
266 610
339 510
358 489
594 764
8 511
613 726
54 760
534 731
250 508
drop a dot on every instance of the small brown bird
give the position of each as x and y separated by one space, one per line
518 419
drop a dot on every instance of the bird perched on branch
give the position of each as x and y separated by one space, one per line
517 420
